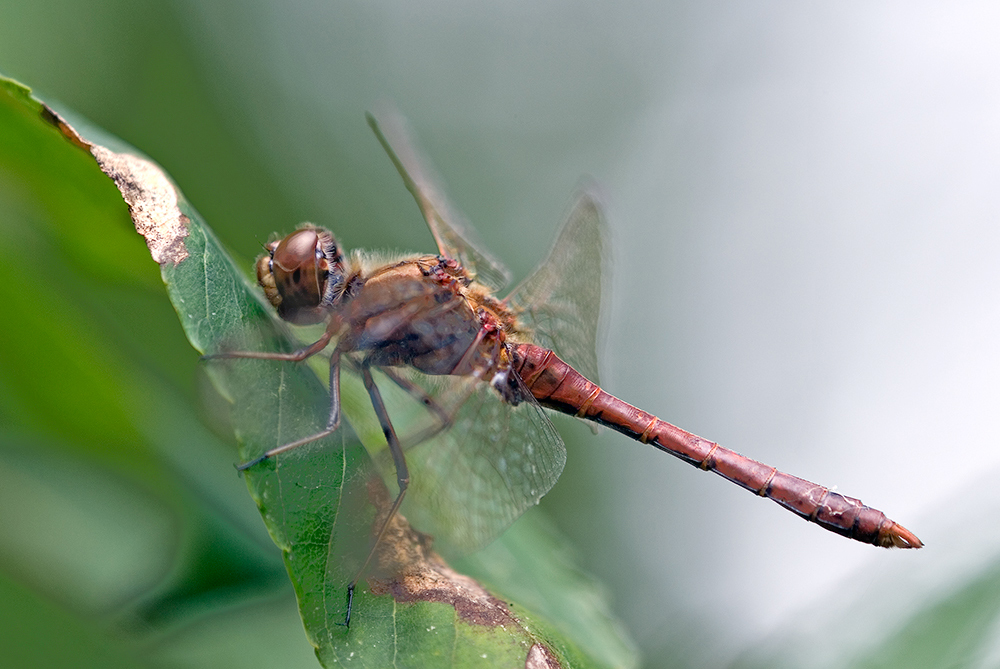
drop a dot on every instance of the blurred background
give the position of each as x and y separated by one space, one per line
804 210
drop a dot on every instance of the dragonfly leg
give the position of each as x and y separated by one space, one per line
402 476
332 423
295 356
445 419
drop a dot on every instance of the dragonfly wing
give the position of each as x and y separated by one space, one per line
471 481
559 303
454 238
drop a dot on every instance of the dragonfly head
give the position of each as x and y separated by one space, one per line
302 274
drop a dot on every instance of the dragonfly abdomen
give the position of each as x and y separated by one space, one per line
556 385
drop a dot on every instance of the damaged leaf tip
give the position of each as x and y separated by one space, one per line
152 201
151 197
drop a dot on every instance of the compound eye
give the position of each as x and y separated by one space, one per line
296 277
297 249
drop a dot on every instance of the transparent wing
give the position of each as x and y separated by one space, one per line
558 304
453 237
469 482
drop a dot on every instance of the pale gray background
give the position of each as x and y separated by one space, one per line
803 201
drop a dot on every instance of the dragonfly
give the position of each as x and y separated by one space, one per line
481 371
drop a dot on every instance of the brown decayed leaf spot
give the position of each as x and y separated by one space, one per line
417 573
540 657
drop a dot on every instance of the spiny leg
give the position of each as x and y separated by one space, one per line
445 419
295 356
402 476
332 423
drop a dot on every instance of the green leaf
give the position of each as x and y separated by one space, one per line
956 630
122 515
319 503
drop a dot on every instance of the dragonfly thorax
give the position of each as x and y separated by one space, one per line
302 274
